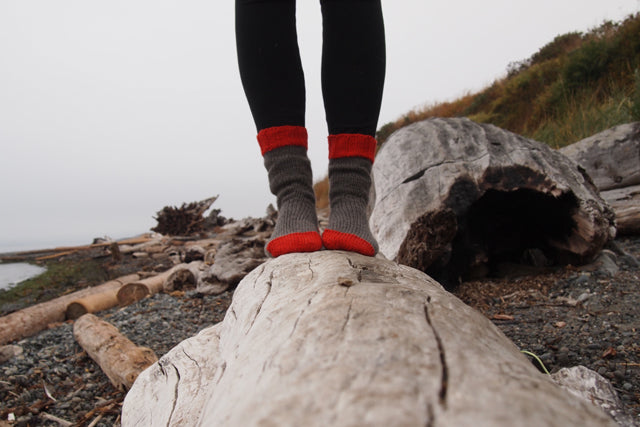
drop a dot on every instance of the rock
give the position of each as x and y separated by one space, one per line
8 352
594 388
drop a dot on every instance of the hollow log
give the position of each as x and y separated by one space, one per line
135 291
625 202
31 320
184 276
453 195
119 358
339 339
611 158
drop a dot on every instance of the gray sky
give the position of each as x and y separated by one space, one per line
110 110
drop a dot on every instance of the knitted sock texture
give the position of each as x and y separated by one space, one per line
349 185
290 180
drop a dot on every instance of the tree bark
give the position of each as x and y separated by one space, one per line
453 195
31 320
119 358
336 338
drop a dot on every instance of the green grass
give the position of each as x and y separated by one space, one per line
61 277
575 86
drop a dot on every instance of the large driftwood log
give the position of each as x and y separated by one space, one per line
119 358
452 195
31 320
339 339
611 158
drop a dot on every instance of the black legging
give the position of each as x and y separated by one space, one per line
353 63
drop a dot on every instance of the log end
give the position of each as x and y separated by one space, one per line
131 293
75 310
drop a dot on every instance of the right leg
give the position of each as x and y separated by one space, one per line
273 81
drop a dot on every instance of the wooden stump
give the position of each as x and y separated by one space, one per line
338 339
453 195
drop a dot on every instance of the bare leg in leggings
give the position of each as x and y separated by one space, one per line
353 67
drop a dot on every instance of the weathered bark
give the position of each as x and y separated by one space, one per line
611 158
135 291
625 202
31 320
452 195
339 339
119 358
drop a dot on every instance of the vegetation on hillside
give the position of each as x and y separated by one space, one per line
577 85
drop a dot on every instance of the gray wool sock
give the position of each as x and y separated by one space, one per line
290 180
349 185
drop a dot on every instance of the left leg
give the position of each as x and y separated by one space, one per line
353 69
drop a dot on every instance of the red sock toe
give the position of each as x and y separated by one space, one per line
337 241
309 241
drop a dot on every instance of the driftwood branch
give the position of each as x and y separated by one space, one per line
119 358
31 320
334 338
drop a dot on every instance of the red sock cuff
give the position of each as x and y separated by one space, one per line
281 136
352 145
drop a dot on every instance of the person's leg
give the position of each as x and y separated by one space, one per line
273 81
353 69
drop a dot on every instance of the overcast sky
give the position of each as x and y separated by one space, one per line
110 110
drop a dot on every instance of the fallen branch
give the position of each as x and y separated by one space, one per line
119 358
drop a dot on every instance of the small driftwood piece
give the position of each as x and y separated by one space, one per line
611 158
625 202
31 320
135 291
454 196
119 358
92 303
338 339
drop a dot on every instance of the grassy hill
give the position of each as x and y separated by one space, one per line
577 85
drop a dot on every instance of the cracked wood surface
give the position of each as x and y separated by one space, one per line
336 338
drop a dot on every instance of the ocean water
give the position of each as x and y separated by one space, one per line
14 273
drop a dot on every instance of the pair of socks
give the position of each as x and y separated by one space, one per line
284 149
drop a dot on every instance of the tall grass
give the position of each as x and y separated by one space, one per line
576 85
